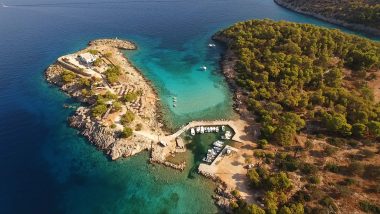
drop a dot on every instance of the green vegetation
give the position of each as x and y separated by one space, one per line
112 74
68 76
127 118
301 78
127 132
116 106
99 110
139 127
366 12
93 52
131 96
293 75
97 62
369 207
100 107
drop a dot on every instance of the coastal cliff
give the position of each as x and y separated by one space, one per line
119 113
306 11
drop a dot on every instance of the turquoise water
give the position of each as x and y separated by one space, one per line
176 73
46 166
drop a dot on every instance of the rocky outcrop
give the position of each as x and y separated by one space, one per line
116 43
356 27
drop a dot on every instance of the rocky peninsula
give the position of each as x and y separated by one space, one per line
119 112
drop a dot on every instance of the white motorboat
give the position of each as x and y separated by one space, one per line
192 131
198 129
211 45
202 129
228 135
203 68
223 128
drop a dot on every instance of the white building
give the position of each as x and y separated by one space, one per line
87 58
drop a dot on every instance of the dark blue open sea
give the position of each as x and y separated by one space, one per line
45 167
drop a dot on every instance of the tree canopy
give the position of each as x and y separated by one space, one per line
295 74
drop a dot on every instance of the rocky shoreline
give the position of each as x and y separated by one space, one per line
99 131
352 26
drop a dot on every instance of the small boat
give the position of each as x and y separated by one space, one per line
218 143
228 135
223 128
203 68
198 129
174 105
217 129
202 129
192 131
211 45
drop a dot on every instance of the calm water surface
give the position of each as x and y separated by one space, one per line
45 166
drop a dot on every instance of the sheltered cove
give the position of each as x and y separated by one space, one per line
104 130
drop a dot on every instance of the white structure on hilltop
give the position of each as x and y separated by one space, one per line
87 58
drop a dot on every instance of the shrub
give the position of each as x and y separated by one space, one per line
99 110
374 128
338 142
139 127
301 196
116 106
309 144
68 76
349 181
372 172
314 179
359 130
330 150
97 62
127 132
254 209
262 143
130 97
127 118
368 207
307 168
278 182
93 52
333 167
329 203
355 168
112 74
343 191
254 177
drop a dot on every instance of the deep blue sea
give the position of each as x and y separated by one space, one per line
45 167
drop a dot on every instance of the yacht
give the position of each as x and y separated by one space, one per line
192 131
228 135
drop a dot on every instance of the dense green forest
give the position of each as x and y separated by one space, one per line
302 78
298 72
366 12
